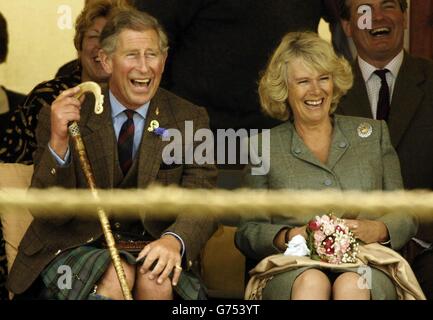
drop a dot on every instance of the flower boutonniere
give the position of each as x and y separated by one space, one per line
156 129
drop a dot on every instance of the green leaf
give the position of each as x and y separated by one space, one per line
315 257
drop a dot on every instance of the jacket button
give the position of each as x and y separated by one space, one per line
297 151
328 182
117 225
53 171
117 236
342 144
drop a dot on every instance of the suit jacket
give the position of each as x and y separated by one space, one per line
410 123
354 163
201 30
47 237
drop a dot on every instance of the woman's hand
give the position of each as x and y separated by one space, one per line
368 231
285 235
297 231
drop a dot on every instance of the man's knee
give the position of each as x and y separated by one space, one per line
146 289
109 285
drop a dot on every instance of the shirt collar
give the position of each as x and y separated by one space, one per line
117 108
393 66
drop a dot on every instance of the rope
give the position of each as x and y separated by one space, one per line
169 200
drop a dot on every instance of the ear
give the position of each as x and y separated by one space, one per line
106 61
164 58
347 28
405 20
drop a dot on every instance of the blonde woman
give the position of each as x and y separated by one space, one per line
316 149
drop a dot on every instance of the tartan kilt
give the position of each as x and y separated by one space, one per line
88 264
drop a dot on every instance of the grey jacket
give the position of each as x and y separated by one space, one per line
354 163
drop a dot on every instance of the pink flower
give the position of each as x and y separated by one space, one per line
319 236
328 229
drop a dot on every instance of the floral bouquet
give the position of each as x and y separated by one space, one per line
330 240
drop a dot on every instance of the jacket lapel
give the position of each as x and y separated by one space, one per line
100 143
355 102
150 153
339 145
300 150
407 97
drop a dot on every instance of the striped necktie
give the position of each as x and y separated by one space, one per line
126 141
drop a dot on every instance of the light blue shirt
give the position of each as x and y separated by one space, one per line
119 117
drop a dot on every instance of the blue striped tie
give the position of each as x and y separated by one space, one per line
126 141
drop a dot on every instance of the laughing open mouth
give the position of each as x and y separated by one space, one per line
314 103
377 32
141 82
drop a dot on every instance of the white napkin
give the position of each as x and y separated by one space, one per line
297 247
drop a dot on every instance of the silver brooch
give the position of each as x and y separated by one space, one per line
364 130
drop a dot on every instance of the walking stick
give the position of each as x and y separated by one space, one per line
74 132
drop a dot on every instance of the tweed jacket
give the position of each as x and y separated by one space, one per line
410 123
47 237
354 163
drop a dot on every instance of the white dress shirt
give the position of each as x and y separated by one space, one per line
373 82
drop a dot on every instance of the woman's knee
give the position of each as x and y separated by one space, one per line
349 286
311 284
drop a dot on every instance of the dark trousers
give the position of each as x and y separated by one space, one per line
421 262
423 268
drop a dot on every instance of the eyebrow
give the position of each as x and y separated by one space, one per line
381 3
94 31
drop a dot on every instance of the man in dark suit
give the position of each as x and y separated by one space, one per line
392 85
218 49
134 50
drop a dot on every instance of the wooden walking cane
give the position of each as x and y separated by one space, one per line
74 131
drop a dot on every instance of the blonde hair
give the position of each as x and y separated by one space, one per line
93 10
318 55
